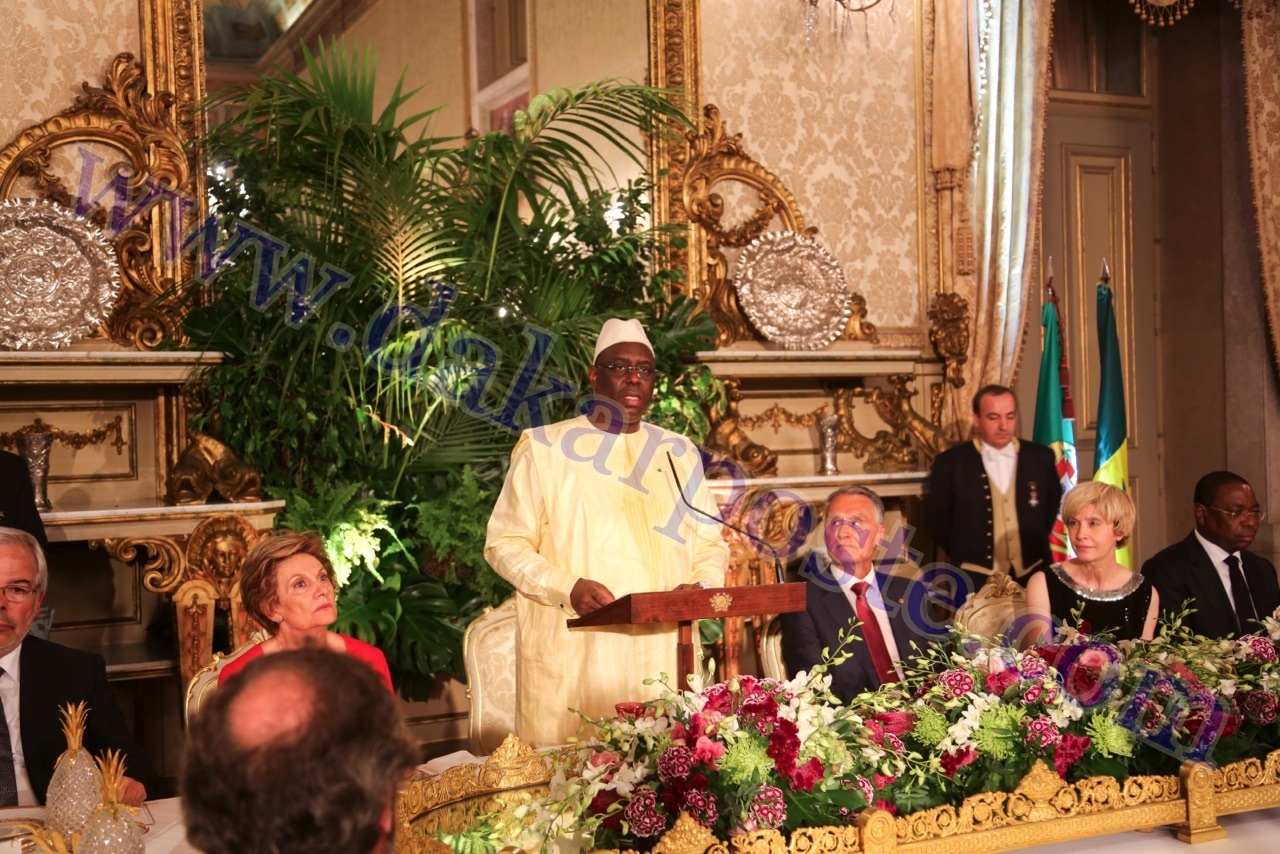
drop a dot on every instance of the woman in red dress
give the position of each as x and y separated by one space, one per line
286 583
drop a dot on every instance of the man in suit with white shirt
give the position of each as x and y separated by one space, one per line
38 677
853 590
992 501
1230 587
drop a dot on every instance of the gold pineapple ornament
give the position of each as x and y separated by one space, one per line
114 828
76 788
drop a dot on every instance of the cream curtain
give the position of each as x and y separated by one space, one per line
1261 24
1012 72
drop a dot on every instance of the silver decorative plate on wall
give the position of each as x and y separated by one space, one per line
792 290
59 276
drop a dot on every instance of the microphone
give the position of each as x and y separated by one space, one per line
777 560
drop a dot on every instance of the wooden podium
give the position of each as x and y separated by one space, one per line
685 606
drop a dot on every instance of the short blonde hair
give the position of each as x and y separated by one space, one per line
1112 504
258 573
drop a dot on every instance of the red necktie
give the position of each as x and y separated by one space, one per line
873 637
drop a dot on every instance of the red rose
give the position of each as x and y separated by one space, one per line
601 802
886 806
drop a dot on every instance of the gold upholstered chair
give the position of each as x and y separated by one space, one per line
205 680
489 655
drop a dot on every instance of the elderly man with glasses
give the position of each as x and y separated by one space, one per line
1212 570
590 511
37 677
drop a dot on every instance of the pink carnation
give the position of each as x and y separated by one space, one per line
768 807
1032 694
956 682
708 751
894 743
1260 707
864 786
1257 648
701 805
1042 732
675 763
1032 666
644 814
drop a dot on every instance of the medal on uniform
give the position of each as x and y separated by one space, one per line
1034 501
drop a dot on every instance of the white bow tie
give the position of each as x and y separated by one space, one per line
1008 452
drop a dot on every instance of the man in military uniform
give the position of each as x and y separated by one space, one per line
992 501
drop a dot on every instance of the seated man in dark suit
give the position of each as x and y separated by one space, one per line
853 594
17 498
38 677
1230 588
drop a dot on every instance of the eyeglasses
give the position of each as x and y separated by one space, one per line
1257 514
17 594
644 372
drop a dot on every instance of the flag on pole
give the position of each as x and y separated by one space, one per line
1111 457
1055 410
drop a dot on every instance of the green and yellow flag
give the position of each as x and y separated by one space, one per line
1111 456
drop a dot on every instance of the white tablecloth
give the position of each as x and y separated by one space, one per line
167 835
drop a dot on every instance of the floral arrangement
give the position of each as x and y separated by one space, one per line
972 716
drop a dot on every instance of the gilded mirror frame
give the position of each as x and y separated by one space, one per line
145 111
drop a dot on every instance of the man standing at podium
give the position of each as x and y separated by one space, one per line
590 511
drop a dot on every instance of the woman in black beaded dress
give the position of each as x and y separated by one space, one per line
1111 597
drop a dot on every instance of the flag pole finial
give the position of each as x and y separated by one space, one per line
1105 275
1049 276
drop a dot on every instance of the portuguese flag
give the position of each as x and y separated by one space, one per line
1111 457
1055 411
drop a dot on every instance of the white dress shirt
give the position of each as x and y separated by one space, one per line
11 696
1000 463
1218 556
874 600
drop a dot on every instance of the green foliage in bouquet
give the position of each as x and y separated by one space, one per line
377 420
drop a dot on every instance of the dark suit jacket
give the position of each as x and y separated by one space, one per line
1184 572
828 611
959 512
17 498
53 675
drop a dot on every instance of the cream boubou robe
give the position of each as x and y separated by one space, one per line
579 502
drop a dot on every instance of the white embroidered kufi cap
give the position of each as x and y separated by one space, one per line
619 331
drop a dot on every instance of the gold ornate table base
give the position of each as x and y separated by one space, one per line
1043 809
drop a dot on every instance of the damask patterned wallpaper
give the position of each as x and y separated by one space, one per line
835 119
50 47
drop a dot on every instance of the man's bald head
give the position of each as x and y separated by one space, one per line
301 751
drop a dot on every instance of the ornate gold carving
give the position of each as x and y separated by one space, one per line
949 334
686 836
216 549
164 563
514 765
1202 818
714 156
208 465
887 451
125 116
896 410
1247 774
720 602
776 416
728 437
195 604
859 328
72 440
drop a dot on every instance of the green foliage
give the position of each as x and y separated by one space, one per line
390 446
